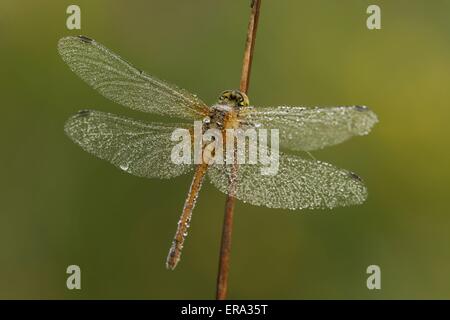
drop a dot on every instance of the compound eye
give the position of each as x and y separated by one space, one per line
225 95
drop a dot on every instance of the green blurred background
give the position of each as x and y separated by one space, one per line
61 206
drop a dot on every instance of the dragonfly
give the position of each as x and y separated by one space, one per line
143 148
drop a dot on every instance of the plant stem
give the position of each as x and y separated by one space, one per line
225 248
249 46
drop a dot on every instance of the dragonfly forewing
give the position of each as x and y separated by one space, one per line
310 129
121 82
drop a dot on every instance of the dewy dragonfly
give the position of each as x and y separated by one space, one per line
144 149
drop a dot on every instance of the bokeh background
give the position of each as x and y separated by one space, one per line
60 206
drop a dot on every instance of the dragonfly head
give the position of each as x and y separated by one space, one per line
234 98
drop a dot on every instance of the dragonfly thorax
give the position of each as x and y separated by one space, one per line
220 117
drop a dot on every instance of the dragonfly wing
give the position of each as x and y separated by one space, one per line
310 129
138 148
298 184
119 81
